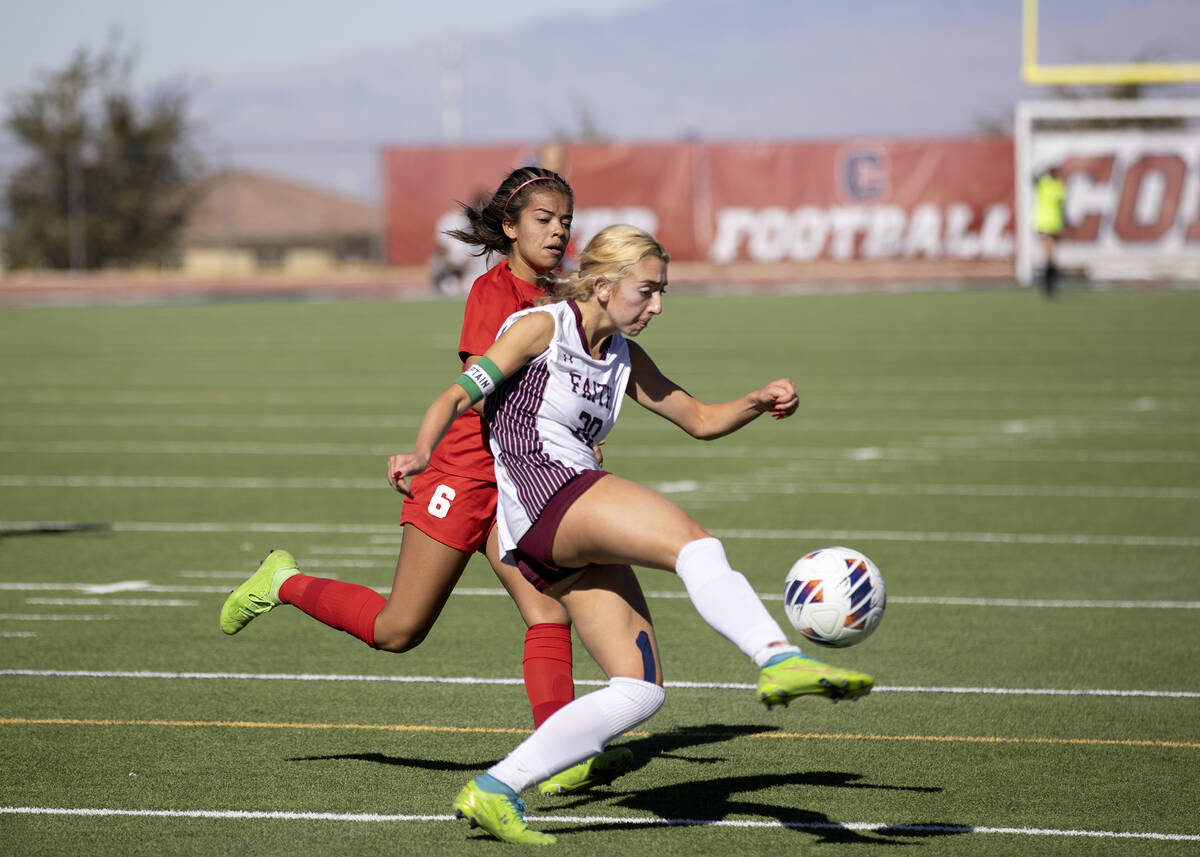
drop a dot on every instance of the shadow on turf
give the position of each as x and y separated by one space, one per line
401 761
726 797
679 801
656 746
51 529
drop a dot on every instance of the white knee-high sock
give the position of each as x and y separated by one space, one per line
579 730
726 601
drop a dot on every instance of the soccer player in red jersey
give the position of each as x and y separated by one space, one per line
451 513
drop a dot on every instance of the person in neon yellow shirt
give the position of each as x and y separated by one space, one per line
1049 193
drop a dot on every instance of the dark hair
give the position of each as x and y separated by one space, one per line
486 218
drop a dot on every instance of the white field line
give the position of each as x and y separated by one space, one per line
1107 403
826 536
170 447
51 617
803 487
800 486
1050 407
269 483
208 420
266 392
498 592
475 680
116 602
144 587
631 821
989 424
982 538
1073 409
54 389
238 576
671 450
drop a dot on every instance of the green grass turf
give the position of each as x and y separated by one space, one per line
1038 456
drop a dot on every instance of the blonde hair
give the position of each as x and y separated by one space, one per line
610 254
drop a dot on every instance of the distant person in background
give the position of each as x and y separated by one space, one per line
1049 193
455 266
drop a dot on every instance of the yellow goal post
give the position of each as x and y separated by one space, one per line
1081 74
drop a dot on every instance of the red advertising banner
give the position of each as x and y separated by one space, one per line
846 202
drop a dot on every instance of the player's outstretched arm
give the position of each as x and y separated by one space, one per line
703 420
445 409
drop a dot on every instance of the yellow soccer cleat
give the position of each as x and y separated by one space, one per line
501 815
798 675
599 770
260 592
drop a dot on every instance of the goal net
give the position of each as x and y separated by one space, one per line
1132 171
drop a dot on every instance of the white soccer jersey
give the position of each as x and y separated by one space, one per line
545 419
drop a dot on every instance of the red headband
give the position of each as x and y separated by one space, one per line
521 185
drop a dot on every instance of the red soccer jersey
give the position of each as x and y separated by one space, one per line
494 297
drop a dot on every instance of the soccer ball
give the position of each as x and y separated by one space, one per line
834 596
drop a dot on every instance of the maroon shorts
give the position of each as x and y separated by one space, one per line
457 511
535 550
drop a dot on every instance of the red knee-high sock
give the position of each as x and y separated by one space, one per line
349 607
548 680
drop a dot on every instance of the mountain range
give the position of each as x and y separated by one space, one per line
682 69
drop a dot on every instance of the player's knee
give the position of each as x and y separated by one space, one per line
643 698
545 611
399 638
690 534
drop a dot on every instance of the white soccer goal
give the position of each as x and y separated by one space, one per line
1132 170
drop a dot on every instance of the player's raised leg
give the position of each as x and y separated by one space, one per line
596 529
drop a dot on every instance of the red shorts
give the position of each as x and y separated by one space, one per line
457 511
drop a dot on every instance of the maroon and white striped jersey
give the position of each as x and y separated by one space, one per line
545 419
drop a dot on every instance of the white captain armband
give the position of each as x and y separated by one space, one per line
480 379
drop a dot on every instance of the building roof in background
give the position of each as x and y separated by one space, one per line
239 207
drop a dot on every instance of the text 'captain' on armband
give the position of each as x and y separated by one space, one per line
480 379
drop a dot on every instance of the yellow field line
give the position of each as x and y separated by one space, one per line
250 724
983 739
485 730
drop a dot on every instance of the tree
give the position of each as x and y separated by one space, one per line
105 182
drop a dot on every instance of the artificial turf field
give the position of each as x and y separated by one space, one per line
1025 473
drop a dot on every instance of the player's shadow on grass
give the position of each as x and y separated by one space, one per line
54 529
664 745
401 761
645 750
675 805
722 797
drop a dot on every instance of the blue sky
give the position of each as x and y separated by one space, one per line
202 38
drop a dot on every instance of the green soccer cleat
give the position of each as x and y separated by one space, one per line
500 815
599 770
259 593
799 675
